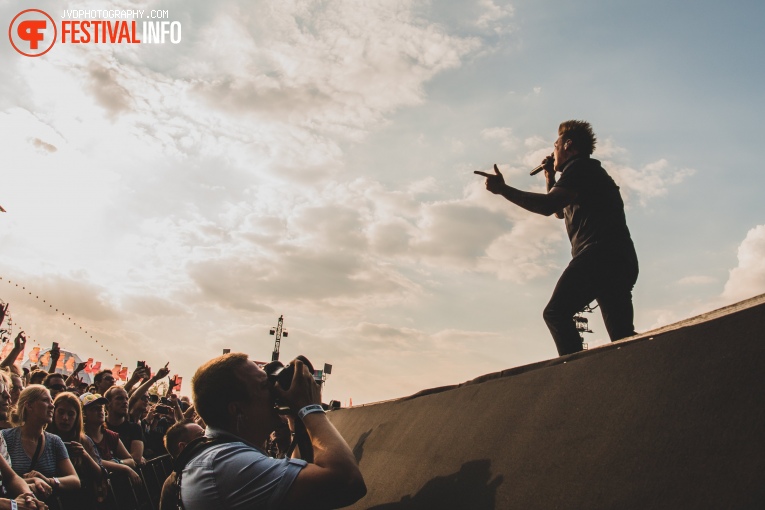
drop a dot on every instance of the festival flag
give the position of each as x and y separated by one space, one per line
89 366
116 370
44 360
7 348
34 354
123 374
95 368
60 362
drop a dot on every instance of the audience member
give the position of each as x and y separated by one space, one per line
176 439
157 422
234 397
38 456
68 425
114 457
55 383
103 381
10 482
37 376
130 433
5 409
17 384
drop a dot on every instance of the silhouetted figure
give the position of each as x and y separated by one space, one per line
604 265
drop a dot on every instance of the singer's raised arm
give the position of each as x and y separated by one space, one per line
540 203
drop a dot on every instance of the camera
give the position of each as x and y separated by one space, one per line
278 373
163 409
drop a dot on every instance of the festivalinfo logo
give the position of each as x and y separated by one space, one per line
34 32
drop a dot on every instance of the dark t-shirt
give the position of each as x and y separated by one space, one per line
108 445
597 214
128 432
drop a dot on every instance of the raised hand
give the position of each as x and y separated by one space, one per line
20 341
494 183
3 311
162 372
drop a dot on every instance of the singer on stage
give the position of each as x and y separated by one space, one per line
604 266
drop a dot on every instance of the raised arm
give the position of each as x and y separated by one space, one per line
334 479
143 388
55 354
18 348
75 375
540 203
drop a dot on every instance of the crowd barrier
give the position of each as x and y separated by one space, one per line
125 496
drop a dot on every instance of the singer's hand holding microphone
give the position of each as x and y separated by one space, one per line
547 164
496 182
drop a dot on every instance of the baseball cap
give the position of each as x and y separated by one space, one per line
89 399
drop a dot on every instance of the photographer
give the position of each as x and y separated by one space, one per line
236 400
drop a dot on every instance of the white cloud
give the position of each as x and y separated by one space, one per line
697 280
645 183
502 134
493 14
748 278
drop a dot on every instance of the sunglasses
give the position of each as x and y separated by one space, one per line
57 387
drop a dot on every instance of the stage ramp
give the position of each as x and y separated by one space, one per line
672 419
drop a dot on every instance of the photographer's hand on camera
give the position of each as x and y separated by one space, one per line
333 479
302 392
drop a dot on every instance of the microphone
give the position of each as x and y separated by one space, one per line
549 160
537 170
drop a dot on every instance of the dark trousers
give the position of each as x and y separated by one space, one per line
603 273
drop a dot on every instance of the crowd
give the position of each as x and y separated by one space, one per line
66 444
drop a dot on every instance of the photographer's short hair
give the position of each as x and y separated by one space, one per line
581 135
215 385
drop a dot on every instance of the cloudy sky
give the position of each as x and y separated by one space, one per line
314 160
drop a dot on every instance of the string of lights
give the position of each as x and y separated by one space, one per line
82 328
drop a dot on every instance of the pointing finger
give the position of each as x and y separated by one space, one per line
477 172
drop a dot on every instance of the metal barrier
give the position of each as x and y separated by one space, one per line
123 495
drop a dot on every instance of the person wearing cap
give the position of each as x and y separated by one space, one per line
114 456
234 397
39 457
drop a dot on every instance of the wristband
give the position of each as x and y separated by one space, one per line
14 505
313 408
